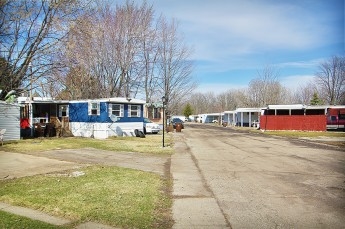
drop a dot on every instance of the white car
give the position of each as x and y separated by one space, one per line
150 127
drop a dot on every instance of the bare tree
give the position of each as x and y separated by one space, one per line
266 89
114 50
331 80
149 67
174 65
30 33
228 100
304 94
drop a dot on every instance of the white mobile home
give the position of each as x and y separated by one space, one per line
246 116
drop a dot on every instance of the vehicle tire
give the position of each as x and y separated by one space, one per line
136 132
141 134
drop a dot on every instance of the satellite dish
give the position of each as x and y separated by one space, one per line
114 118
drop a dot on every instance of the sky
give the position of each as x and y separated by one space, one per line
233 40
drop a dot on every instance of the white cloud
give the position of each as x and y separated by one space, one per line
302 64
217 88
294 82
220 29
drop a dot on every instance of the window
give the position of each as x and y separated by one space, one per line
153 112
133 110
94 108
63 110
341 116
116 109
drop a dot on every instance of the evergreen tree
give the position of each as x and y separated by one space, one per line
188 110
315 100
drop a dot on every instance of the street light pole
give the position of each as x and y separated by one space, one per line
163 100
30 104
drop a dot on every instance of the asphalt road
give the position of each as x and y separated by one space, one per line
268 182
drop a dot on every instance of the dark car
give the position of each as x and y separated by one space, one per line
176 121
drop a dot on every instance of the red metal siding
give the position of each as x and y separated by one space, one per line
293 122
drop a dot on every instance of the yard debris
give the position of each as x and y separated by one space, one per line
77 174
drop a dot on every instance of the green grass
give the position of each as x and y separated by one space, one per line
151 144
110 195
8 220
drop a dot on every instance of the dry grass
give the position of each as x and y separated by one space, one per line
152 144
113 196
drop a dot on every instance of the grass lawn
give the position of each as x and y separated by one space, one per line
114 196
335 135
151 144
119 197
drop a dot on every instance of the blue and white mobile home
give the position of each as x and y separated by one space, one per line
98 118
103 118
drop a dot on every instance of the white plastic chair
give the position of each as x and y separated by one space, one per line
2 132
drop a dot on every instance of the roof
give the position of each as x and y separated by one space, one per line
112 100
9 104
213 114
156 105
40 100
229 112
52 100
286 107
248 110
301 106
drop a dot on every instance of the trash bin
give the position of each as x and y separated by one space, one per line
178 127
170 128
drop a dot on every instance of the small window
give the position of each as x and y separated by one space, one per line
63 110
116 109
133 110
94 108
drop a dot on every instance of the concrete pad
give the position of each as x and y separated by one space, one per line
197 213
33 214
187 178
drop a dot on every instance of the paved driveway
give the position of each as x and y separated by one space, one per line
266 182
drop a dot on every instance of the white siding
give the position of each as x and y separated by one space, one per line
10 120
105 130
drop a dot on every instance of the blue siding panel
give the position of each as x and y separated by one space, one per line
78 112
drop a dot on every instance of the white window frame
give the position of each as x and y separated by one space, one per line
121 111
90 108
138 110
67 110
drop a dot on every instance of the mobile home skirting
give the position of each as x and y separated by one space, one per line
293 122
105 130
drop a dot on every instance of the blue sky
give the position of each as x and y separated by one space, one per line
234 39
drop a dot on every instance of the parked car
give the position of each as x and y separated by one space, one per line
176 121
215 121
150 127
